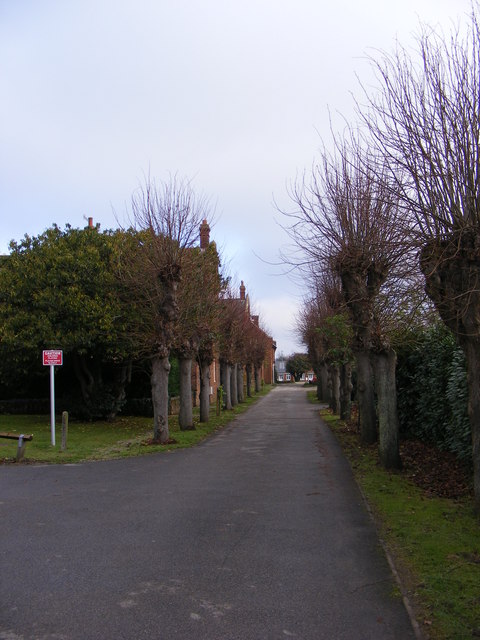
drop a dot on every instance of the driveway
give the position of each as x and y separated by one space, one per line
258 533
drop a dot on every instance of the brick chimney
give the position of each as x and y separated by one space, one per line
90 223
242 291
204 235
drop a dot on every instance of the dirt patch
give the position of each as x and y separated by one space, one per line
438 473
151 441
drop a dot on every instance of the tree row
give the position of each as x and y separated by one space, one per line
391 212
114 301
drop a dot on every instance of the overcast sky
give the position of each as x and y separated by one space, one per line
94 94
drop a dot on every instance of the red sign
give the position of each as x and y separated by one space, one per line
53 357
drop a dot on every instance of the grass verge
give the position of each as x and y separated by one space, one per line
434 542
123 437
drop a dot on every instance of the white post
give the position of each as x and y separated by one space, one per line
52 402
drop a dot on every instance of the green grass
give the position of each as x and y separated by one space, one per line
435 542
123 437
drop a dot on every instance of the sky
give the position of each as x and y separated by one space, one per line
235 96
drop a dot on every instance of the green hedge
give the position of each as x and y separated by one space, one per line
432 391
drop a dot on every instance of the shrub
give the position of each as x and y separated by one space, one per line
432 391
458 438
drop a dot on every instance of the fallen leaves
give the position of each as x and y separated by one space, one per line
438 473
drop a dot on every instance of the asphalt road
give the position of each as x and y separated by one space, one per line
258 533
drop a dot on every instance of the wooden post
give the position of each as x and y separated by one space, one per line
64 430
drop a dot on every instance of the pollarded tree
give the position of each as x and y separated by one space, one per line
311 315
232 314
336 333
258 343
308 320
347 220
254 351
249 347
241 357
196 325
215 284
425 121
326 331
168 216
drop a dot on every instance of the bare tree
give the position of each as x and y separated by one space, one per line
168 215
257 344
309 319
326 331
347 220
196 325
243 346
228 322
425 121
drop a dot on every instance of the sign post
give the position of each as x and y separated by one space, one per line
52 358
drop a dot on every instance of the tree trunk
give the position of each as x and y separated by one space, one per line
100 398
84 376
324 386
123 376
471 348
318 384
346 391
194 386
366 398
384 364
249 380
334 373
233 383
225 375
159 383
240 383
185 416
204 392
258 387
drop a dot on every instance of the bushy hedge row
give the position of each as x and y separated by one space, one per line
30 394
25 406
432 391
